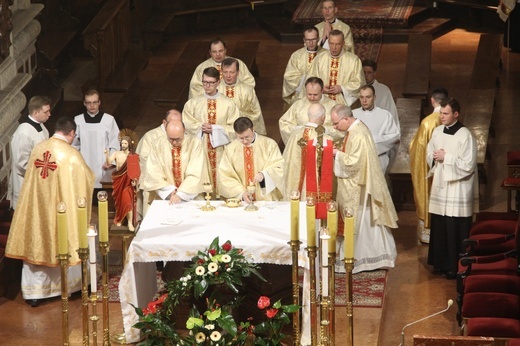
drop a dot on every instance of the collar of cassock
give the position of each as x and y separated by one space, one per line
452 129
369 110
253 142
29 120
212 97
93 119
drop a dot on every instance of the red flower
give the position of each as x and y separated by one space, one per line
212 252
155 305
200 261
271 313
263 302
227 246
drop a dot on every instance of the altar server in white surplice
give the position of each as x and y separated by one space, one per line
96 131
176 166
330 22
251 159
382 125
217 52
297 116
242 94
210 118
297 70
340 70
30 132
363 190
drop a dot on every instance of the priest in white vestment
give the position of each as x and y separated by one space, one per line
330 22
242 94
30 132
297 116
452 156
56 173
384 97
217 52
251 159
340 70
362 189
210 118
144 148
385 132
96 131
176 166
298 66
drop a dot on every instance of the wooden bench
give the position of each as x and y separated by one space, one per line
409 111
487 62
418 67
247 51
175 88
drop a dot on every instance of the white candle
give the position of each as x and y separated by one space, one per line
92 258
324 263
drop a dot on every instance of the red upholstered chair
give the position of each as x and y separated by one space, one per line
490 237
497 327
512 182
514 342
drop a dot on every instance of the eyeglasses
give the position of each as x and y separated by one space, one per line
336 123
90 103
207 82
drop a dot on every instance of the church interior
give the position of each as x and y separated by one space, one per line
141 54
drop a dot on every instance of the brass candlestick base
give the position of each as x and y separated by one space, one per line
64 264
295 249
311 253
104 248
83 255
349 266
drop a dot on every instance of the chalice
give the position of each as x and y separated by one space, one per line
251 188
207 188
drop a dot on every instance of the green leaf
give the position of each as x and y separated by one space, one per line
290 309
214 244
277 304
228 324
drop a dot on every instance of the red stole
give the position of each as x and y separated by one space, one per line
249 166
319 187
212 152
230 91
176 166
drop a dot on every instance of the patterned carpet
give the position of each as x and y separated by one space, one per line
369 287
366 12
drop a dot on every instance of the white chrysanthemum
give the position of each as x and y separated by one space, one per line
228 270
215 336
200 337
188 277
226 258
200 270
212 267
209 326
185 284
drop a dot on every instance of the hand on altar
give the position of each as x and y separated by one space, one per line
258 177
207 128
174 199
245 197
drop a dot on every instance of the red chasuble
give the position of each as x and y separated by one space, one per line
319 187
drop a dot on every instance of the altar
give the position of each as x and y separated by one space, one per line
177 232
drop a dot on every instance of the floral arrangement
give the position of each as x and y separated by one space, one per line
214 271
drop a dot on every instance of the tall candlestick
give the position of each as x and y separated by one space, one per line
92 257
332 224
324 262
349 234
295 215
103 216
63 240
82 223
311 222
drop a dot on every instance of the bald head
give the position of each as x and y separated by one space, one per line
171 115
316 113
175 132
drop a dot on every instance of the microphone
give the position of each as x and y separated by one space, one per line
450 303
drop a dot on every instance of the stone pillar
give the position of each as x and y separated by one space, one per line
18 33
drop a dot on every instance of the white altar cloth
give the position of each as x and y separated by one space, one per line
177 232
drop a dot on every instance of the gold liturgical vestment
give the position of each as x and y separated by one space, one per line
246 100
296 73
196 88
56 172
240 164
344 28
190 167
419 167
347 73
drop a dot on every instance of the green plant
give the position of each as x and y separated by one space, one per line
269 332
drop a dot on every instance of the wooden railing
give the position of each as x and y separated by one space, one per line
107 37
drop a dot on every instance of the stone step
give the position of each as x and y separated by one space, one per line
435 26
